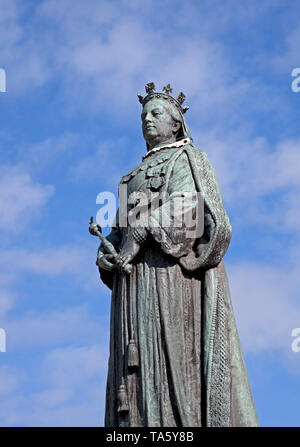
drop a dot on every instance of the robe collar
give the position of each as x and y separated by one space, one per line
180 143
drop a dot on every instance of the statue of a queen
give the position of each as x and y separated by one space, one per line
175 355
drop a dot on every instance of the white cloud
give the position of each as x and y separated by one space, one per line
104 52
71 393
9 380
21 198
266 304
85 362
107 163
289 56
52 397
71 260
81 372
93 165
20 54
10 30
52 261
48 329
7 301
101 54
76 263
260 183
261 187
44 153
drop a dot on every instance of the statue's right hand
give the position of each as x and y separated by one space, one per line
103 261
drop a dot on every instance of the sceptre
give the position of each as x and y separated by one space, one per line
96 230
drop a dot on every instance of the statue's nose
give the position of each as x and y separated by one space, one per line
147 118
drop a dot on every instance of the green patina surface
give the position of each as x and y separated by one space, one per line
175 356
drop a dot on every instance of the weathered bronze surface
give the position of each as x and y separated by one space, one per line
175 356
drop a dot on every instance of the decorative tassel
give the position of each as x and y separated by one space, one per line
123 399
133 355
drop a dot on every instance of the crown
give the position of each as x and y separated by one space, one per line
150 90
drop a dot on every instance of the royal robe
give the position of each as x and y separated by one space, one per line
176 306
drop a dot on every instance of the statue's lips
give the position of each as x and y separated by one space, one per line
150 126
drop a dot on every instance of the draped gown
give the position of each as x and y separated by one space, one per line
176 306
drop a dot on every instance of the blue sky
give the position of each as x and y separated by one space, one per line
70 128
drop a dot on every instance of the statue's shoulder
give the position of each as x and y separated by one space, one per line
204 167
200 157
196 151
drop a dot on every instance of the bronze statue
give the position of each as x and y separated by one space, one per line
175 356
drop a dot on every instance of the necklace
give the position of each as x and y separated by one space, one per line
179 143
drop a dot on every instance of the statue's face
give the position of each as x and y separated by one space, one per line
157 122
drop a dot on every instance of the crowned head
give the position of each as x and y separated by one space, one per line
162 116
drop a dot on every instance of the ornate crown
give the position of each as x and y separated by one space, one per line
150 90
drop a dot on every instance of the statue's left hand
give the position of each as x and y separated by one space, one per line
128 252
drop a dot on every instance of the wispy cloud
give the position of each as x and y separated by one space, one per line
266 304
102 52
251 172
74 263
9 380
71 393
53 328
21 198
50 152
7 300
86 60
